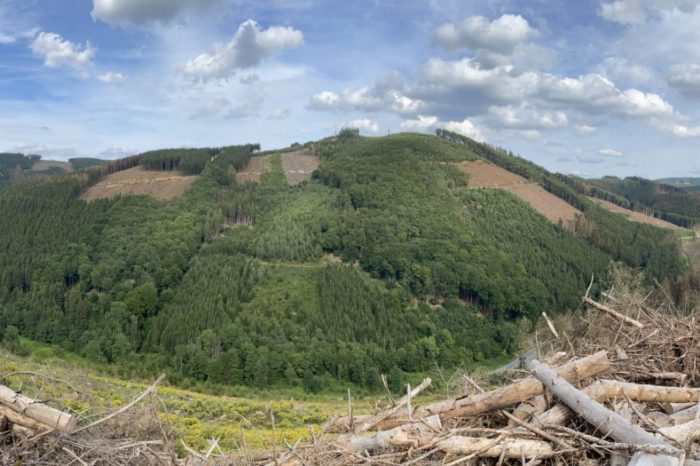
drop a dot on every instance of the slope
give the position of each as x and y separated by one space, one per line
202 286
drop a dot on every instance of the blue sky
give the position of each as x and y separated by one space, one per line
585 87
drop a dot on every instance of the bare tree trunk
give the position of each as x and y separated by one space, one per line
37 411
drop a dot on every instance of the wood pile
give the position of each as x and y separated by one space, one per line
34 433
618 387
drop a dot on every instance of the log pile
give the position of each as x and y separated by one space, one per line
620 387
33 432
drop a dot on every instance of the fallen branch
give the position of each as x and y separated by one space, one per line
612 312
123 409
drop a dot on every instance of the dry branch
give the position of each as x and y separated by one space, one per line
612 312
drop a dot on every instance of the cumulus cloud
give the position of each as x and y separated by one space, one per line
686 78
57 51
610 153
477 33
249 46
422 123
366 98
526 117
584 129
363 124
112 78
683 132
465 128
143 11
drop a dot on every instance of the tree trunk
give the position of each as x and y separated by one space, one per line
399 436
37 411
493 448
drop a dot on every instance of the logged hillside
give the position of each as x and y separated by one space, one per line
227 283
676 204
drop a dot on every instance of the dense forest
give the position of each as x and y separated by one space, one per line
383 262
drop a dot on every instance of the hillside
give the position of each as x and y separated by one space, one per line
15 168
664 201
227 285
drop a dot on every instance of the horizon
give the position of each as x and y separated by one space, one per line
592 88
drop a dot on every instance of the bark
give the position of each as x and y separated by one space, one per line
492 448
21 420
595 413
650 393
398 436
25 406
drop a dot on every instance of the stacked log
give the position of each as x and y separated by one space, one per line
622 398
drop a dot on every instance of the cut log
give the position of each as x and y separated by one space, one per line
682 433
25 406
398 436
18 419
671 408
517 392
649 393
510 395
612 312
529 409
559 414
492 448
595 413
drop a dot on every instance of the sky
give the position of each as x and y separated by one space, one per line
587 87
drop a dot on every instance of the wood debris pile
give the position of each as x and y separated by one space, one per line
34 433
617 387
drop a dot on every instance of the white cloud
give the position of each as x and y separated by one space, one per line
363 124
637 11
424 123
477 33
249 46
366 98
686 78
57 51
524 116
584 129
621 69
143 11
465 128
683 132
610 153
112 78
421 123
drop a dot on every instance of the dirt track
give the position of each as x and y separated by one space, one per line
162 185
487 175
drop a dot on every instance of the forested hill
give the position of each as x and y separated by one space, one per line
384 262
675 200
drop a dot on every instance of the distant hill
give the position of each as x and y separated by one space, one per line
338 260
689 183
668 202
15 167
